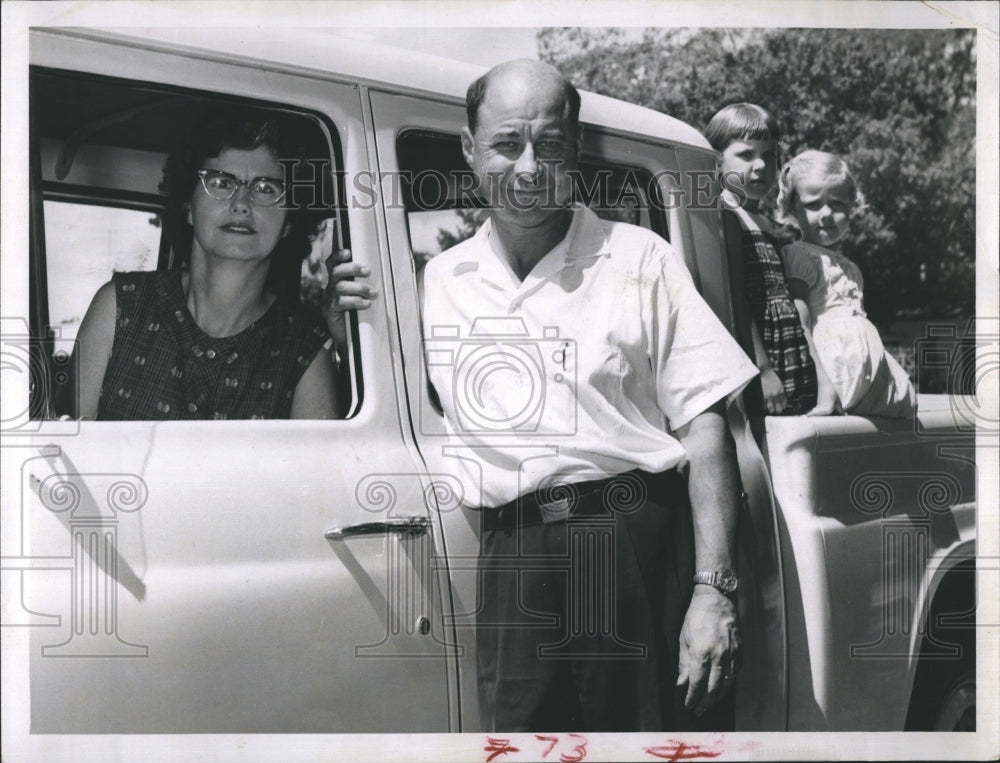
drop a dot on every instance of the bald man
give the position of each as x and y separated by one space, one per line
590 433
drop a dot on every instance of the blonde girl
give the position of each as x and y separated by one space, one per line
818 194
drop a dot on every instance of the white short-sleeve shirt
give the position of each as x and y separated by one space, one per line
579 372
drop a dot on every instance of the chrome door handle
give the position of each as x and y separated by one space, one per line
408 527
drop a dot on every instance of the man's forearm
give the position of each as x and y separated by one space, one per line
714 488
710 637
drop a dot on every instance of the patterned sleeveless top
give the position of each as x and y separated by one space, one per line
163 366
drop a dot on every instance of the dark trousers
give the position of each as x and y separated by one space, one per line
578 619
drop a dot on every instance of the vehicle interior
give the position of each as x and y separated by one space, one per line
98 147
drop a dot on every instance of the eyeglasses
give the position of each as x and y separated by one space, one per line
222 185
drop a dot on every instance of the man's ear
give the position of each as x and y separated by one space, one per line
187 210
468 146
286 229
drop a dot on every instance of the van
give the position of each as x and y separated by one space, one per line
320 576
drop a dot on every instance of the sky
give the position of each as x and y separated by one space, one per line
478 45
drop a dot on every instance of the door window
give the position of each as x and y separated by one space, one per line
442 208
100 145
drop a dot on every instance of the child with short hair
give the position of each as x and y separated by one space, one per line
747 137
818 195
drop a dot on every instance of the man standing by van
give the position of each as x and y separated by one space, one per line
590 373
580 494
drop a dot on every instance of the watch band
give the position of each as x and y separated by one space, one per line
724 580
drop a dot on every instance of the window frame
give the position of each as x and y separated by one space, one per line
321 126
652 205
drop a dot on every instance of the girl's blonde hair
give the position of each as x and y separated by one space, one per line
813 164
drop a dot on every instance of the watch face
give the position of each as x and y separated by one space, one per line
727 581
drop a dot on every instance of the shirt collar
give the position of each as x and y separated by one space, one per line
585 239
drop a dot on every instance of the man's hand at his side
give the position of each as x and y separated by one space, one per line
710 647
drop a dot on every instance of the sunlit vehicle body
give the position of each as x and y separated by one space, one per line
320 576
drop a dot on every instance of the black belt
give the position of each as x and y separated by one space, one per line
525 511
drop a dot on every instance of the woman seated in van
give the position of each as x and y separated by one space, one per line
224 336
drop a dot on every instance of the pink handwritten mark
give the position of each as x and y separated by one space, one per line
552 740
578 753
677 750
498 747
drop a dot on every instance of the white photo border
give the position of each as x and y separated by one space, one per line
20 745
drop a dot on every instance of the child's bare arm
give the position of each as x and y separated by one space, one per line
771 386
826 395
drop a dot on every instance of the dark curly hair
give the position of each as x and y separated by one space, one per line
210 133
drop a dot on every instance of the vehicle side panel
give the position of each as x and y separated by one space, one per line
868 508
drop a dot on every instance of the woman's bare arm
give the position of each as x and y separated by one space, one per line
316 393
93 349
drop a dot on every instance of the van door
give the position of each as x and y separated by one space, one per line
229 576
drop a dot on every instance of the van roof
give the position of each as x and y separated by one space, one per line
323 52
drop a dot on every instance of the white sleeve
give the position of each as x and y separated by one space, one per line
695 359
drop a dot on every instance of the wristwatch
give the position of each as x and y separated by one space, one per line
724 580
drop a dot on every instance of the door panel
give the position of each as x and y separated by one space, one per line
179 573
874 508
392 114
232 612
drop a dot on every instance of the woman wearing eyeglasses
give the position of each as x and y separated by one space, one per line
223 337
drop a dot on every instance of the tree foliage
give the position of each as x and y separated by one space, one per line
897 105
